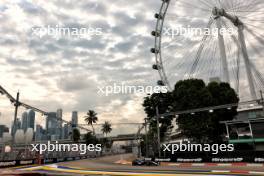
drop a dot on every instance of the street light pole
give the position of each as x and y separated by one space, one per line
158 130
252 135
146 134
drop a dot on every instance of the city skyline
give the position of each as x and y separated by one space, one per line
52 129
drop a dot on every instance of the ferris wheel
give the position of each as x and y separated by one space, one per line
211 40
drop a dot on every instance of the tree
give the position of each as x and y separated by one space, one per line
106 142
161 102
222 93
91 118
106 128
90 138
203 127
76 135
200 127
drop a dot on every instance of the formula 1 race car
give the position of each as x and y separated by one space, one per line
144 162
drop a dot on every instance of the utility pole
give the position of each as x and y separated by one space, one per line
146 136
138 139
158 129
15 116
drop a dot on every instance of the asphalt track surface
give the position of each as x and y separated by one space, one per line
107 166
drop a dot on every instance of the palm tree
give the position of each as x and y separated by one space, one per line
91 118
106 128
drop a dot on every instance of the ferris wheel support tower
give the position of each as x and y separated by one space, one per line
222 51
240 26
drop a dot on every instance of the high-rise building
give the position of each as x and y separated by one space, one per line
16 126
28 120
52 125
31 119
59 117
59 113
3 129
24 121
74 119
39 135
66 131
51 122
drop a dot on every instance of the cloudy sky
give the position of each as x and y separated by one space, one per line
65 72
